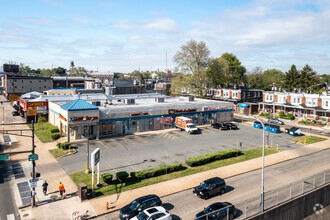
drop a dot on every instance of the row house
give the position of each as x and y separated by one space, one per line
245 100
305 105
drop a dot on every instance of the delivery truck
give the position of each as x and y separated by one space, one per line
186 124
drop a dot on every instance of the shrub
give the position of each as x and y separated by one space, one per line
55 136
58 145
65 145
54 130
122 176
210 157
291 116
156 171
281 113
42 119
107 177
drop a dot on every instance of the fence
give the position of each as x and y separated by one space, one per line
250 207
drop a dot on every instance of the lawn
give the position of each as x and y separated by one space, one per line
58 152
42 131
309 140
116 186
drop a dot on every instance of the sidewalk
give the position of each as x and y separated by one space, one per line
162 189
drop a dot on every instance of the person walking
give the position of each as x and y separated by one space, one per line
44 187
61 188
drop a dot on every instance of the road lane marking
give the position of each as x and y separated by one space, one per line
173 137
128 140
131 166
137 136
103 144
182 134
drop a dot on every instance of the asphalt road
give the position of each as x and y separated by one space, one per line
137 152
185 205
7 205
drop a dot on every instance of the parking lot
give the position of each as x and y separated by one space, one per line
137 152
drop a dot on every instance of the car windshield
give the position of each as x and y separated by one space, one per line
191 126
203 184
142 216
134 205
208 210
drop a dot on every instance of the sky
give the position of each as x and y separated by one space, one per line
128 35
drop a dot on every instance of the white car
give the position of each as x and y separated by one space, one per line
153 213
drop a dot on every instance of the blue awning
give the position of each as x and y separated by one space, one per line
243 105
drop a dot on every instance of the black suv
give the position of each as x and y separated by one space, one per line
231 126
220 126
138 205
217 210
210 187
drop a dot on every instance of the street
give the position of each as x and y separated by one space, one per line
137 152
185 205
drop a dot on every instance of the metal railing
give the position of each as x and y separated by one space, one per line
250 207
279 195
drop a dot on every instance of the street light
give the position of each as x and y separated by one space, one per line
263 163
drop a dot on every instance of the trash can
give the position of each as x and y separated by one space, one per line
82 191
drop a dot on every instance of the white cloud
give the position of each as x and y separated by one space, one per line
162 24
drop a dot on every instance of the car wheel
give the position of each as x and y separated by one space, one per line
222 191
206 197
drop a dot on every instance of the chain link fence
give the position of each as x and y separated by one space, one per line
250 207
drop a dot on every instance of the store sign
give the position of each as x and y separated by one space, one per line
139 114
173 111
62 117
31 111
13 98
86 118
31 104
213 108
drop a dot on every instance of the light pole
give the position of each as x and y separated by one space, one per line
263 164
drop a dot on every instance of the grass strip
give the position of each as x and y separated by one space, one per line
116 186
309 140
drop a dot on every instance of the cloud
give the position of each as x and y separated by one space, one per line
124 24
42 21
162 24
81 20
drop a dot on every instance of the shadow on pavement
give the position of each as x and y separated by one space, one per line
175 217
229 189
168 206
54 198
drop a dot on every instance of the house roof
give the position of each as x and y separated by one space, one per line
78 105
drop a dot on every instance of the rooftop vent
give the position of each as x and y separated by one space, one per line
160 99
129 101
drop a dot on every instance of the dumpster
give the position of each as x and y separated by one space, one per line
82 191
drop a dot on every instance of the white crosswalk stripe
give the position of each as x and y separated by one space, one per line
11 217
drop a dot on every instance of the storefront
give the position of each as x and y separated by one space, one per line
32 109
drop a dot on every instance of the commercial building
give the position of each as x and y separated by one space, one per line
126 114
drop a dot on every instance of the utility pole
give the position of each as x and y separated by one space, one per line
33 168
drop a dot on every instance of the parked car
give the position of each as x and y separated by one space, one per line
217 210
15 113
294 131
154 213
138 205
231 126
220 126
210 187
275 121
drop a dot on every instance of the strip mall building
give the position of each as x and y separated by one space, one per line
126 114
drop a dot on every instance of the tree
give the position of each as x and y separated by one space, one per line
60 71
48 72
78 71
217 71
193 58
308 79
291 79
259 79
180 81
236 70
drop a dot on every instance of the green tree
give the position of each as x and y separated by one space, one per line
48 72
292 79
217 71
273 77
78 71
60 71
193 58
308 79
236 70
180 81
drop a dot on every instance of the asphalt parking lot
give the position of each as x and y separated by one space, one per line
137 152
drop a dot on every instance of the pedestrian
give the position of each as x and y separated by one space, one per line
44 187
61 188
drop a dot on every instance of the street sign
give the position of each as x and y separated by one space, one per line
95 156
33 183
33 157
4 157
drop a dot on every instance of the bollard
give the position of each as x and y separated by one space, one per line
106 206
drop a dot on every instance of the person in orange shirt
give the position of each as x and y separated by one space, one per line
61 188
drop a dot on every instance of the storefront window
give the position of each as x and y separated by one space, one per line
146 124
106 129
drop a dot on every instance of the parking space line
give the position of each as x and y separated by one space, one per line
113 169
128 140
137 136
103 144
182 134
173 137
115 141
131 166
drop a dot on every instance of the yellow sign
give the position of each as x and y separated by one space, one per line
13 98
